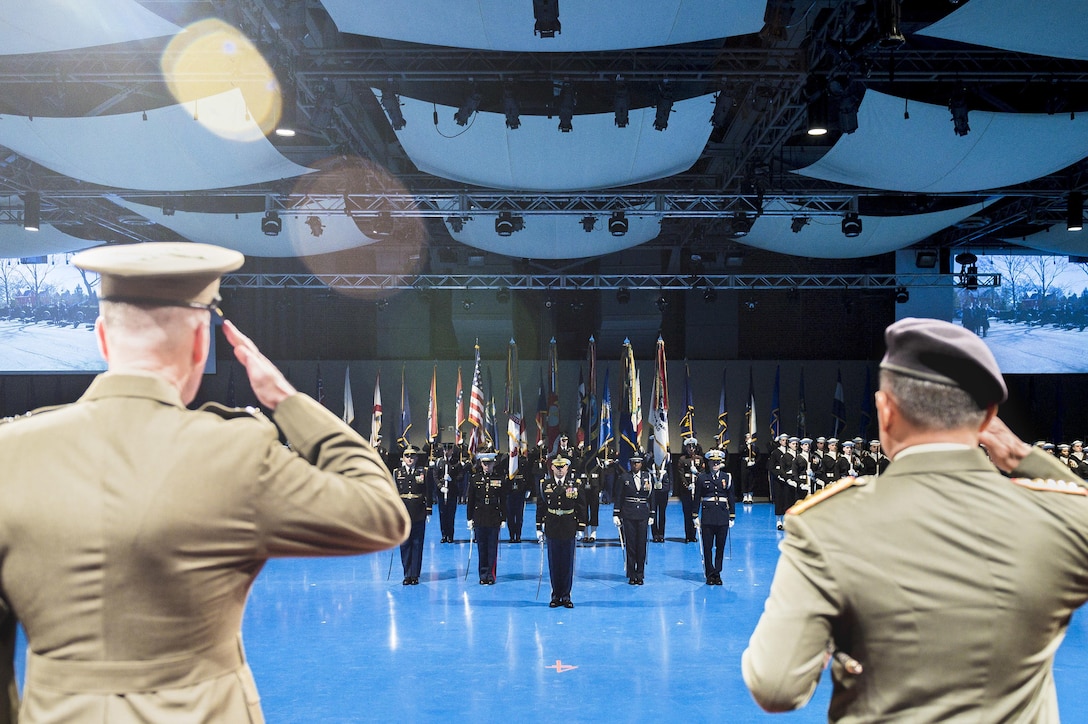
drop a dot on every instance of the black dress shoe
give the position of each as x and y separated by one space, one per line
491 581
718 581
639 581
554 603
568 603
630 581
710 580
406 582
483 581
415 581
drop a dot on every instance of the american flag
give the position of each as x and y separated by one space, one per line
475 405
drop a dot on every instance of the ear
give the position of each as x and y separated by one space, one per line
886 410
201 344
100 337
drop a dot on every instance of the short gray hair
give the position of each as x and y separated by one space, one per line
931 404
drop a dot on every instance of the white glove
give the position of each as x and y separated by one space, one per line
470 525
540 535
502 524
697 523
731 522
616 520
650 521
578 535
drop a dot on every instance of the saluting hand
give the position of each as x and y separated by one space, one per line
267 382
1005 449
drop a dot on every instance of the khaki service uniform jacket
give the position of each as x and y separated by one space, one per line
132 529
951 584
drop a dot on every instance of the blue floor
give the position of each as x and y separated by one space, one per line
341 640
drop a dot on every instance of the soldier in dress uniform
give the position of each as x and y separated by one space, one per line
846 466
874 462
789 482
415 490
560 516
659 500
688 467
831 462
446 473
749 457
632 515
589 474
488 491
1078 453
129 559
515 503
816 460
716 506
802 468
779 488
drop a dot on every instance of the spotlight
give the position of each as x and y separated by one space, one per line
798 223
285 127
750 305
957 104
456 224
168 207
391 103
621 105
382 304
546 13
623 295
502 296
902 296
549 303
377 227
271 224
851 224
566 108
469 106
617 223
588 222
1074 211
506 224
925 259
887 22
817 116
466 304
723 104
510 108
32 211
661 303
664 108
968 270
316 227
710 294
740 225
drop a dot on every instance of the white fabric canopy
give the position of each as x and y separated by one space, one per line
923 154
539 157
586 24
1055 239
170 151
1055 27
242 232
822 237
555 236
43 26
16 242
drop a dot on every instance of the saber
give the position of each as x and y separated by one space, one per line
392 552
849 664
471 539
540 578
699 537
623 546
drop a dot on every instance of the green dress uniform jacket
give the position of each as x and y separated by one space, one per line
132 529
951 584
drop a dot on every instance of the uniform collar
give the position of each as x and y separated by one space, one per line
147 386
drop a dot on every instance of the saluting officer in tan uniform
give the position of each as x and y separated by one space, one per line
949 585
132 527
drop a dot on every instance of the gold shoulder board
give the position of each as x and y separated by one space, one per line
1050 485
230 412
835 488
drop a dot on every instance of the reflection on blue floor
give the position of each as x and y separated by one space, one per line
341 640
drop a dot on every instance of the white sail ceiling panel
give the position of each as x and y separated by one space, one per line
242 232
923 154
585 26
556 236
539 157
1055 28
16 242
822 237
170 151
1056 240
44 26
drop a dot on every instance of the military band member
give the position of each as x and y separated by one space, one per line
446 473
632 515
415 492
688 467
560 516
659 500
486 512
716 505
748 458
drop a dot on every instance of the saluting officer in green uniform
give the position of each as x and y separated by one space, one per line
940 590
132 528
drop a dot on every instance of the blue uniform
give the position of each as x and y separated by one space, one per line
715 503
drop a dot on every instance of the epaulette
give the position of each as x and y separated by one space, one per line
229 413
834 489
1050 485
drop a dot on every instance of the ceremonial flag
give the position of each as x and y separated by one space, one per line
593 432
459 412
491 418
376 415
723 417
552 440
515 427
750 408
541 411
802 423
659 407
604 441
628 440
475 406
775 422
349 403
405 413
867 408
687 422
838 409
320 386
581 421
432 409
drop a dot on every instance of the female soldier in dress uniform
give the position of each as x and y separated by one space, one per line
560 515
632 513
486 511
715 505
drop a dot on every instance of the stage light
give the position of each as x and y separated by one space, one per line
851 224
710 294
1074 211
566 108
588 222
316 227
506 223
817 116
957 104
32 211
456 224
510 108
623 295
740 225
621 105
902 296
376 227
798 223
664 107
661 303
888 14
925 258
617 223
469 106
285 127
546 14
723 105
968 270
502 296
467 304
271 224
391 103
